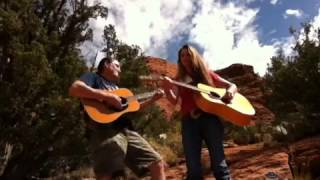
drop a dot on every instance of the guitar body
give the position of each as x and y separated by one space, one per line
101 113
239 111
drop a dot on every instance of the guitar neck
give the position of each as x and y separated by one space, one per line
141 96
189 87
144 95
181 84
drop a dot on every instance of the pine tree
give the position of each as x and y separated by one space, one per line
294 83
39 58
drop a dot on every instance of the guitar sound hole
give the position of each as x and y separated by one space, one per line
214 95
124 103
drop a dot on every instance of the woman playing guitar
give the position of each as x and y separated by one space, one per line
196 124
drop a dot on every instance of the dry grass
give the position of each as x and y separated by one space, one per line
169 148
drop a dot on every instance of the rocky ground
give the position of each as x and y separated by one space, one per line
256 160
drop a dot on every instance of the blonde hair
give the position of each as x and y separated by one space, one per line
200 72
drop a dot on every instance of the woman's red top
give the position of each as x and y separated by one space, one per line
187 101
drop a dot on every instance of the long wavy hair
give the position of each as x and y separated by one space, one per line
200 72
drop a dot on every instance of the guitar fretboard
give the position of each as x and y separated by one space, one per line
145 95
176 83
141 96
190 87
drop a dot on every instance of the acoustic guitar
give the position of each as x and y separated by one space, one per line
238 111
102 113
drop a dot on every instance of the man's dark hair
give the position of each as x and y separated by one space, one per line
102 62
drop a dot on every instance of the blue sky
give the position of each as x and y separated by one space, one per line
224 31
272 23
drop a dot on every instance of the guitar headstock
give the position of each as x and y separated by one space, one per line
152 77
152 80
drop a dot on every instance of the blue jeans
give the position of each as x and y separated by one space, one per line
210 129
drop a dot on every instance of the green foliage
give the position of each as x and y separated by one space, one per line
111 40
151 122
242 135
131 58
164 136
39 59
295 85
133 66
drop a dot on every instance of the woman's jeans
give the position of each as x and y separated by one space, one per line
210 129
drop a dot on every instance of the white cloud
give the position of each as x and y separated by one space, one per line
228 35
149 24
293 12
316 21
315 26
273 2
288 43
226 32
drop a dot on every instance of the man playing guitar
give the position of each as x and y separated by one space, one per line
115 145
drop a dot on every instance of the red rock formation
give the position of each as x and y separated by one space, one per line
305 156
159 67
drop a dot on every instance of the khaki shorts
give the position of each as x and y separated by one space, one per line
111 151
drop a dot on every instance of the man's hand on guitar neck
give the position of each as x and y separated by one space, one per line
170 89
167 82
157 95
